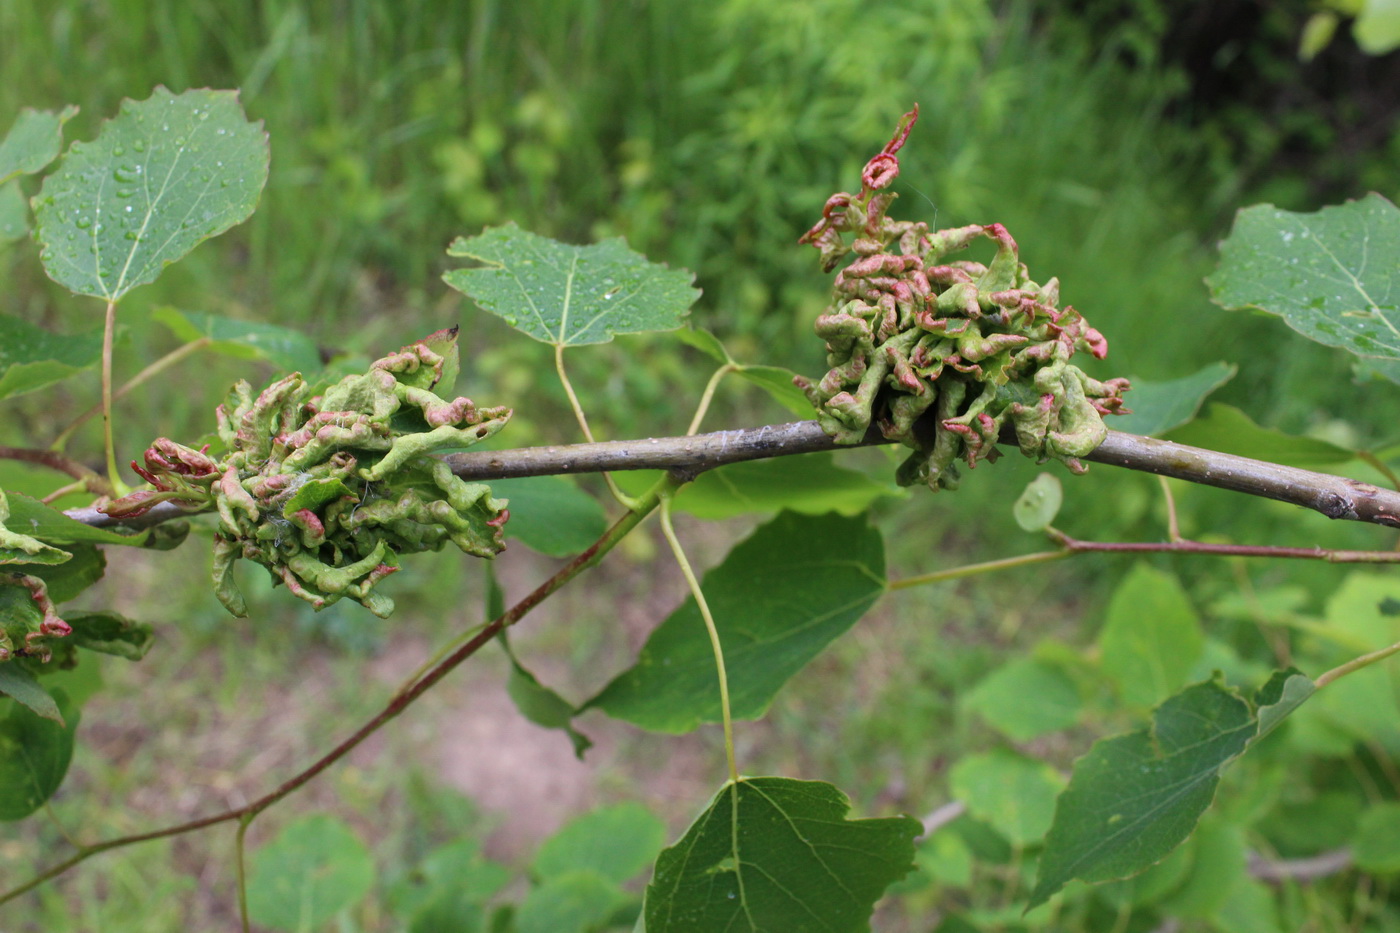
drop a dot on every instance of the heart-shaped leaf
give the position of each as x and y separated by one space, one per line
33 141
570 295
31 357
163 176
313 869
1330 274
287 349
777 854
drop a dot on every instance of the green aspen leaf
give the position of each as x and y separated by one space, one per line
704 341
1330 275
1218 865
1160 406
570 295
164 175
1229 430
31 517
14 215
452 877
812 484
20 685
1377 842
1013 794
777 382
779 598
33 141
551 515
34 756
1039 503
1250 908
1151 638
616 842
1025 698
1135 797
778 854
578 901
16 548
110 633
315 868
1377 27
538 703
284 348
31 357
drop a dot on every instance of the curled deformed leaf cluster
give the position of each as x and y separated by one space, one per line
327 491
942 354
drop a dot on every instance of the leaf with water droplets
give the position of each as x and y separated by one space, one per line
570 295
161 177
1330 275
31 357
32 142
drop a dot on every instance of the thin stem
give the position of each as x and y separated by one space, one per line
678 552
1173 526
624 499
970 570
708 395
1367 457
1228 550
165 362
243 823
1356 664
400 701
89 479
62 491
108 329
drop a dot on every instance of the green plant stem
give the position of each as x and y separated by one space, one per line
165 362
708 395
239 859
109 327
1173 525
624 499
972 570
400 701
693 582
1356 664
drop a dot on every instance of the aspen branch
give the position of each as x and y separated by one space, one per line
688 457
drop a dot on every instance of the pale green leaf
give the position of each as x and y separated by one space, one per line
1151 637
779 598
14 214
1331 275
1160 406
1025 698
1038 503
550 514
1217 867
34 756
578 901
1229 430
31 357
23 687
33 141
287 349
1377 26
164 175
570 295
1013 794
315 868
1377 842
778 854
616 842
811 484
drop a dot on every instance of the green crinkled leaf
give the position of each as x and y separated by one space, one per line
616 842
111 633
1025 698
161 177
1038 503
284 348
1013 794
21 686
14 214
1134 797
33 141
550 514
570 295
315 493
1229 430
579 901
34 756
779 598
31 517
66 580
1151 637
1331 275
316 867
1160 406
31 357
18 548
778 854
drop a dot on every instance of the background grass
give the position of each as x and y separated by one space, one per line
709 135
